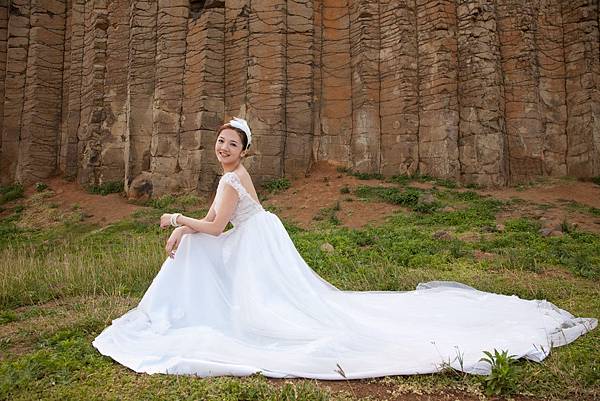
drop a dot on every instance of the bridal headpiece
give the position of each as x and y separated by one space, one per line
243 125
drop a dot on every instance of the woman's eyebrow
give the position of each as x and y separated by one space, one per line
232 140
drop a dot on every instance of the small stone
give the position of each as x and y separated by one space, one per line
426 199
500 227
444 235
327 247
447 209
545 231
556 233
481 255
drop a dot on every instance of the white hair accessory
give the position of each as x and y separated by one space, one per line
243 125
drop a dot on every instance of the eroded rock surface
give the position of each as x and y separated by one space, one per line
490 92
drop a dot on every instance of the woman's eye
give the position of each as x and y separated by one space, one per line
233 144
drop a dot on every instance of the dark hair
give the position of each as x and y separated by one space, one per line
241 133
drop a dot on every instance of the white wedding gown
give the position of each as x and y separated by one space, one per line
246 302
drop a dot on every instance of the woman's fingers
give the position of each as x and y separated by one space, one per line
165 220
171 245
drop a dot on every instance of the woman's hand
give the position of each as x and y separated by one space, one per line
174 240
165 220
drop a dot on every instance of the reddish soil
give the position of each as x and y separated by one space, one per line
64 197
100 209
320 189
383 389
553 191
549 203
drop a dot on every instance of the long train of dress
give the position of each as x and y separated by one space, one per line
246 302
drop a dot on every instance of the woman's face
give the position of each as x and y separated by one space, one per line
228 147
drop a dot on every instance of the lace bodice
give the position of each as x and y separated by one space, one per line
246 206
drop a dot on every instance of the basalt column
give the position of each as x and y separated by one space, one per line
203 97
552 91
171 36
3 37
581 46
399 96
365 43
141 81
438 94
517 26
115 92
299 71
72 94
17 48
91 130
335 134
482 132
265 99
40 119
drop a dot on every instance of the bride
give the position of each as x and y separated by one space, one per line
244 301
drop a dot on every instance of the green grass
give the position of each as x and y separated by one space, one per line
580 207
110 187
276 185
60 287
10 192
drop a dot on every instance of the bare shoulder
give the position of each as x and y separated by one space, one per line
246 181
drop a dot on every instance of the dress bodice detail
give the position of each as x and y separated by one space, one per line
246 206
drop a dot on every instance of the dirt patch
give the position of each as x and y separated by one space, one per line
65 200
553 191
387 389
553 203
323 188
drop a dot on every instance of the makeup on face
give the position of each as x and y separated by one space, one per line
228 146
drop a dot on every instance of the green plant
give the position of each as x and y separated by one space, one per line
408 197
345 189
565 226
276 185
596 180
41 186
11 192
503 375
368 176
328 214
109 187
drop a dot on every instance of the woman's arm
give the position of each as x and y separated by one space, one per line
210 216
219 222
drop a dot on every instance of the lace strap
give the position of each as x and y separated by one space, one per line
233 180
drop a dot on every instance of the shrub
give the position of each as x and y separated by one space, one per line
10 192
276 185
109 187
503 377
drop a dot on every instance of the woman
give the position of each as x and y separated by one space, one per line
244 301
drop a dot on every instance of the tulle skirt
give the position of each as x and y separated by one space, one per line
246 302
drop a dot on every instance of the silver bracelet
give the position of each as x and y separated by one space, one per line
174 219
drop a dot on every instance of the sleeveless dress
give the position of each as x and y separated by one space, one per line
245 302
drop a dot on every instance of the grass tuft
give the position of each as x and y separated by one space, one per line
276 185
10 192
110 187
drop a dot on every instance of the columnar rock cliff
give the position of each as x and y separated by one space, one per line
481 91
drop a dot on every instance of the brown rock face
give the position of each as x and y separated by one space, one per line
481 91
